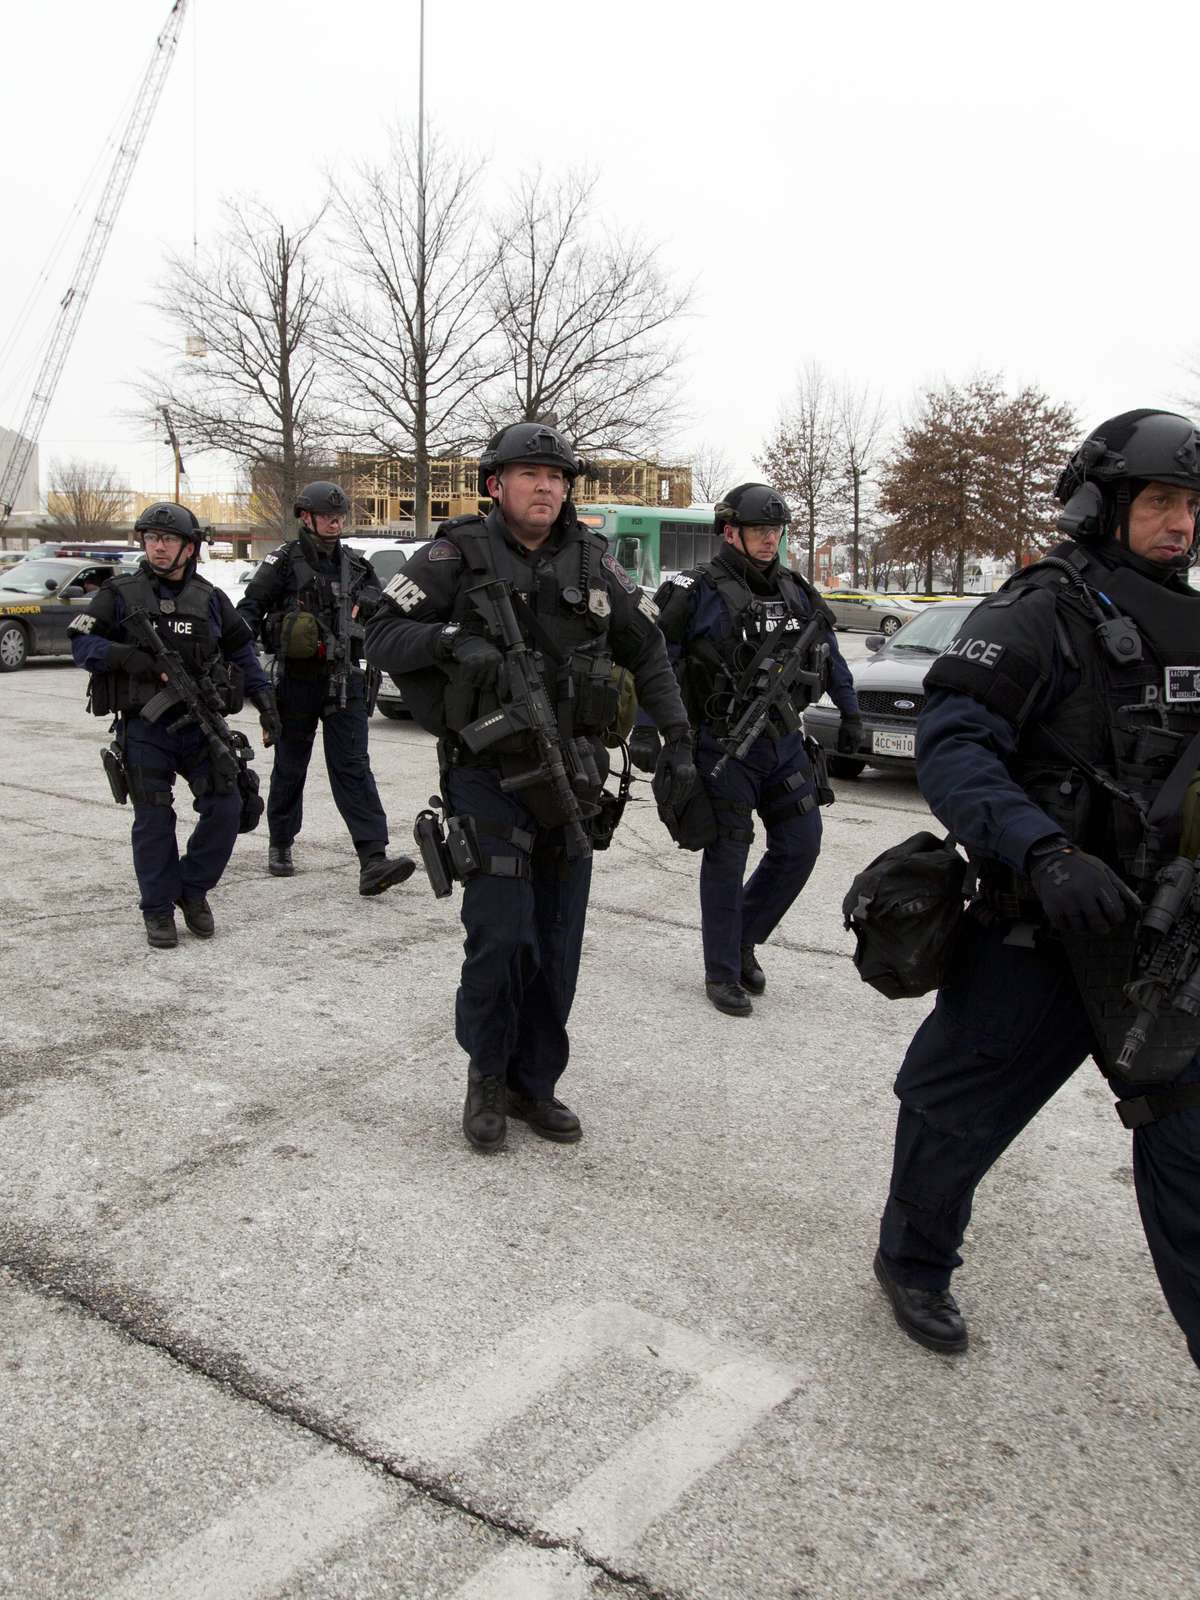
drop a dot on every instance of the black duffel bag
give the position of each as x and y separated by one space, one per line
904 910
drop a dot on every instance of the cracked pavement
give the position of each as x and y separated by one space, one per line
271 1329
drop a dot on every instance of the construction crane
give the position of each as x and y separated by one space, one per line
71 306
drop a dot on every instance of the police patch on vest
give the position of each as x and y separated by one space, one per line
982 652
81 624
444 550
1183 684
618 571
681 580
598 602
648 609
404 592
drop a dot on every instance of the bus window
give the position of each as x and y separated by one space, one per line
628 553
685 545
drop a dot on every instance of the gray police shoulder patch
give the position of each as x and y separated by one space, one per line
618 571
444 550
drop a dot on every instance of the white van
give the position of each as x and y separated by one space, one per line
387 556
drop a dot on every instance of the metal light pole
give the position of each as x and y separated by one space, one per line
420 463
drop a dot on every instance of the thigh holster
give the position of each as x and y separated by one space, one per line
467 842
150 786
781 801
733 821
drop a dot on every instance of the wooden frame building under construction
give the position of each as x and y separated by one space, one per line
382 489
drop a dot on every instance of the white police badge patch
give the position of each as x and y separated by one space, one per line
598 602
404 593
1183 685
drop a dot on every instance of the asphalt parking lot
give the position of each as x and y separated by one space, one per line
271 1329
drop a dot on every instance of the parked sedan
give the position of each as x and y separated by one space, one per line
856 608
38 600
890 688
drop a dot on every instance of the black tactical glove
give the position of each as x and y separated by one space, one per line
132 659
263 701
849 735
1079 893
479 661
644 745
674 771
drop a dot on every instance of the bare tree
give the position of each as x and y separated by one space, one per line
409 335
248 311
86 497
712 471
859 421
585 317
801 457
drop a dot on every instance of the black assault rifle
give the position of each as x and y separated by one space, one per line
774 679
563 766
1168 955
228 750
341 671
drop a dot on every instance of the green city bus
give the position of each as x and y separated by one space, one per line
651 540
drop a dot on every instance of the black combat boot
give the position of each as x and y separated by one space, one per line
548 1117
197 915
930 1316
730 998
160 929
379 872
754 979
279 861
483 1115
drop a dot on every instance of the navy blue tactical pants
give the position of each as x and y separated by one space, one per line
524 939
154 758
302 706
774 779
1007 1031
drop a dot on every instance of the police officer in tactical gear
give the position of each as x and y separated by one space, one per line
724 621
309 602
199 623
1056 744
526 882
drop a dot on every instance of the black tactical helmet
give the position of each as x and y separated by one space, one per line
752 505
322 499
167 517
1116 461
537 442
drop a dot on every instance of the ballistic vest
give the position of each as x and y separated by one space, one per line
1131 717
184 623
719 671
565 617
313 591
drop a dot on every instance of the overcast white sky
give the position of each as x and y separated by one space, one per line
903 192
